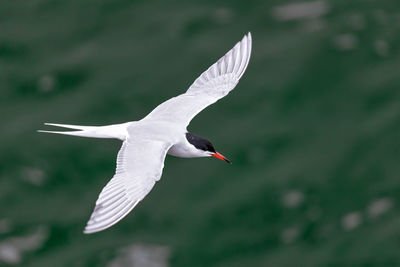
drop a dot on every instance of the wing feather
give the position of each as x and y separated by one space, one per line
213 84
139 166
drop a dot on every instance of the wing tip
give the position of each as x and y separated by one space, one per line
234 62
94 227
249 37
88 232
246 42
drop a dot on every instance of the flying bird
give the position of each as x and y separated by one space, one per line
146 142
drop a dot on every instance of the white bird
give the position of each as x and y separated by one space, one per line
146 142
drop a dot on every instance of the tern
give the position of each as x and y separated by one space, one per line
146 142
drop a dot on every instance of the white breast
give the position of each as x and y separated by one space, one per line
184 149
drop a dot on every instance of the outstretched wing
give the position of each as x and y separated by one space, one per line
212 85
139 166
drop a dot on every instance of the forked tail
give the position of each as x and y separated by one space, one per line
118 131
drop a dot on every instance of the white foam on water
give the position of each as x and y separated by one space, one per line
379 206
351 220
293 199
144 255
12 249
301 10
290 235
346 41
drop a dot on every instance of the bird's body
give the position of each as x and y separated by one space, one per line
163 131
166 132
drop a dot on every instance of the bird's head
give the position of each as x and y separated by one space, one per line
204 147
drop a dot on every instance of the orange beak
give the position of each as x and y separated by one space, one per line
219 156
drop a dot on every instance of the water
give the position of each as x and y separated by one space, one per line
312 130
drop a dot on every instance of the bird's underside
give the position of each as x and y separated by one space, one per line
146 143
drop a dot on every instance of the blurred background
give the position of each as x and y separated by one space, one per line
312 130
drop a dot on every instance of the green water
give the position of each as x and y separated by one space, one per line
312 130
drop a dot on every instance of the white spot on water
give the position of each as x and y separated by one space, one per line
379 207
46 83
302 10
351 220
346 41
293 199
11 249
33 176
290 235
9 254
141 255
381 48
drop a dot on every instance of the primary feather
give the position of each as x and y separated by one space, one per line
139 166
213 84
